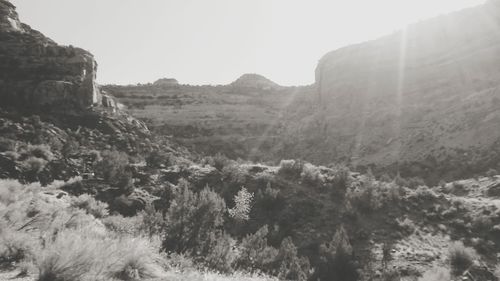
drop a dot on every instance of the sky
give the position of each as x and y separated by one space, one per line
216 41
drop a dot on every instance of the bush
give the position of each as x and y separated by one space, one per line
341 179
461 258
7 144
436 274
291 267
337 263
136 259
15 246
255 253
41 151
152 221
234 173
497 272
123 225
76 255
219 252
290 168
219 161
491 173
311 174
113 169
93 207
32 166
159 159
366 197
191 218
70 257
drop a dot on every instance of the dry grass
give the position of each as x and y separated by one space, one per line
461 257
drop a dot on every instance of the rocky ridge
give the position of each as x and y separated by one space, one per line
37 72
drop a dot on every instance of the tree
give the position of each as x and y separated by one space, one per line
242 205
255 253
191 219
291 266
337 263
113 169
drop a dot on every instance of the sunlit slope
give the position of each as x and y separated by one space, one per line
426 98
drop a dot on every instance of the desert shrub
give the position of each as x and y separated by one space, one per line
390 275
399 180
436 274
41 151
491 173
218 252
234 173
311 174
255 253
7 144
137 259
461 258
69 257
336 259
415 182
31 167
191 218
341 179
77 255
11 191
123 225
290 168
90 205
159 159
406 225
497 272
219 161
242 205
15 246
366 197
70 147
385 178
423 194
291 267
113 169
152 221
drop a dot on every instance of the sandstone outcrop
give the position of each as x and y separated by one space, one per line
422 98
37 72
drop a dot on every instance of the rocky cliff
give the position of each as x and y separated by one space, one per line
423 99
37 72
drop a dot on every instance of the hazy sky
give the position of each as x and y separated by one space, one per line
215 41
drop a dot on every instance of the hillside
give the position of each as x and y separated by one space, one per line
424 99
243 119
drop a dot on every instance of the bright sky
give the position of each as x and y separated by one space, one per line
215 41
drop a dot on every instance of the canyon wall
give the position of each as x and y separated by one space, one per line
37 72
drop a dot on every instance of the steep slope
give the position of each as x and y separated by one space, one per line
424 100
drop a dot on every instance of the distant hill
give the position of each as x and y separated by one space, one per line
255 81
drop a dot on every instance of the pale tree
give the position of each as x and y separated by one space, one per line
242 205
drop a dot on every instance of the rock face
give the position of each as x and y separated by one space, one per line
424 98
37 72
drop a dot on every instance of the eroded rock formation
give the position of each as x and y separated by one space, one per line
37 72
425 98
